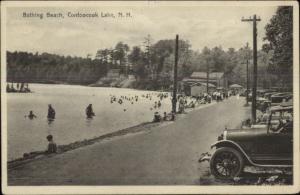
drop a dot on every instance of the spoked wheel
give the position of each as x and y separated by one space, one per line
226 163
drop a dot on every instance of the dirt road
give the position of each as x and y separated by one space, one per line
166 155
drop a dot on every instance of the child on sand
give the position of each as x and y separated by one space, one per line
157 117
51 146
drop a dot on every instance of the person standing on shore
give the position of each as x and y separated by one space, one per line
7 88
157 117
51 113
159 104
52 148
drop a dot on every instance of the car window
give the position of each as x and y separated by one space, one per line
277 99
281 122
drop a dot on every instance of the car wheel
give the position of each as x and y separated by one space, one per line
226 163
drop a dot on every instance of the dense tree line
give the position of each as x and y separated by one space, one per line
45 67
279 37
153 67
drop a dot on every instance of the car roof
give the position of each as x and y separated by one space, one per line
282 94
281 108
261 99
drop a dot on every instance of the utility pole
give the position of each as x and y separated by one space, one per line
147 43
174 100
253 106
207 76
247 62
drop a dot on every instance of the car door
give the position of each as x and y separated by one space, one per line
274 148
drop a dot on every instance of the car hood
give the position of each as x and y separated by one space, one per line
244 134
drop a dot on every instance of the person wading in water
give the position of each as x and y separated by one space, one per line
31 115
89 111
51 113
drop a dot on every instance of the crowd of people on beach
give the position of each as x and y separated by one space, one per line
184 102
20 88
190 102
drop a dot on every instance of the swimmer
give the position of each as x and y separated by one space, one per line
31 115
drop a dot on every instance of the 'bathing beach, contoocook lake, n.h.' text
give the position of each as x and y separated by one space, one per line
42 15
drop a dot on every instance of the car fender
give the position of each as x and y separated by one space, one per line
229 143
233 144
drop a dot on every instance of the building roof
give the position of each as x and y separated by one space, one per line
281 108
204 84
203 75
235 86
193 80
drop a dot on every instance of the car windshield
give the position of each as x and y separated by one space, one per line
277 99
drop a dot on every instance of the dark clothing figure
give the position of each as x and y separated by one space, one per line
26 89
22 87
181 105
157 117
7 88
31 115
247 123
172 116
159 104
52 148
89 111
12 88
169 116
191 105
165 117
51 112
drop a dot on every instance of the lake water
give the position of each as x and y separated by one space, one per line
70 125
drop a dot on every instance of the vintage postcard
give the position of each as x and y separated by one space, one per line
144 97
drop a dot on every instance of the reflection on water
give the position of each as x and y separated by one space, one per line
70 122
50 121
88 121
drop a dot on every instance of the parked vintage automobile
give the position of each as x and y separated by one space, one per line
270 146
244 92
278 98
262 104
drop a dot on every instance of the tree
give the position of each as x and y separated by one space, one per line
136 58
120 53
279 34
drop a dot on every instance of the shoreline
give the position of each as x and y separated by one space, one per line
35 155
89 85
93 85
142 127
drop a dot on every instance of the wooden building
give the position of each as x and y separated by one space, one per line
200 88
198 81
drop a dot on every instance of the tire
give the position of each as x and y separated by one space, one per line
226 163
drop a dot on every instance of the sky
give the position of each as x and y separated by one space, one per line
201 25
